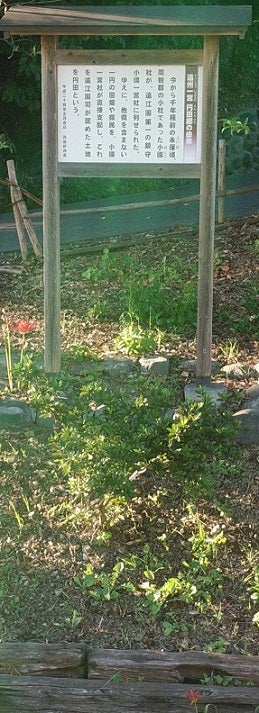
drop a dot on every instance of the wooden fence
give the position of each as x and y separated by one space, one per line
69 678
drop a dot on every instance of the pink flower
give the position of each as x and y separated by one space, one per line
22 326
192 695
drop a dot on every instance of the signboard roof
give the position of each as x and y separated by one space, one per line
127 20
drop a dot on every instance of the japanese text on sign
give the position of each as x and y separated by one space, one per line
129 114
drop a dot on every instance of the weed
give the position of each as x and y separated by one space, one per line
199 438
230 351
132 339
236 126
101 586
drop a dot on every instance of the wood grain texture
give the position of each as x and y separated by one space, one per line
51 218
150 57
207 208
130 170
46 695
164 665
127 20
43 659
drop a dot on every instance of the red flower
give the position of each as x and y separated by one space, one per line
22 326
192 695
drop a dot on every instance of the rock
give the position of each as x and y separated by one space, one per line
190 366
214 391
158 365
170 414
248 433
45 421
252 392
16 413
256 368
116 367
238 371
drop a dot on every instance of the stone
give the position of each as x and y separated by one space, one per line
190 366
238 371
170 413
256 368
158 365
252 392
116 367
47 422
248 433
215 391
16 413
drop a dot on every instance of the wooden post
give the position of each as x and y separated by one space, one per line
20 205
16 212
221 179
51 219
207 208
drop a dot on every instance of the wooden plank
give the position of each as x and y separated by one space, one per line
45 695
127 20
51 219
43 659
130 170
207 209
154 57
167 666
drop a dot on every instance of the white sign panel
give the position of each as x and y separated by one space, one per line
129 114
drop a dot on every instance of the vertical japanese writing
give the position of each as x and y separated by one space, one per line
99 113
148 111
191 102
124 117
130 113
64 121
172 119
160 113
87 128
136 115
75 90
111 113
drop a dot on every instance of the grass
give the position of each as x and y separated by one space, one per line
119 526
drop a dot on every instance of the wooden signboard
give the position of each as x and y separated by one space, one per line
143 150
121 109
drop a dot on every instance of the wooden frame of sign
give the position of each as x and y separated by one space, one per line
210 22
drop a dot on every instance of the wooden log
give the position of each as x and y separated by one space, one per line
22 208
45 695
148 204
43 659
167 666
16 212
152 665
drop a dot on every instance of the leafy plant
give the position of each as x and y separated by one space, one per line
199 428
236 126
101 586
133 339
